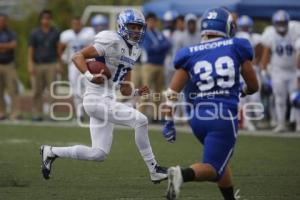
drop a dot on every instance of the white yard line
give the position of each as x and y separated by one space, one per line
180 128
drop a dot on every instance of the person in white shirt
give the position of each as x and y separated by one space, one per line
279 54
70 42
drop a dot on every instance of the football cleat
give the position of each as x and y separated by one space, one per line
175 181
159 174
48 158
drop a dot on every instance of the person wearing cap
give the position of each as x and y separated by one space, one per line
8 74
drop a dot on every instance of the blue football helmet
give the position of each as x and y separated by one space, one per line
131 16
280 20
217 21
245 22
99 22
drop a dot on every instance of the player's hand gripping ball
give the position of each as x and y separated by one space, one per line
99 71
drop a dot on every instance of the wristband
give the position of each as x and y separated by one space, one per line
88 75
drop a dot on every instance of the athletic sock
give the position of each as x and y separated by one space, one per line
149 159
188 174
228 193
143 144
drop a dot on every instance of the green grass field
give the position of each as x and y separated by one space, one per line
264 168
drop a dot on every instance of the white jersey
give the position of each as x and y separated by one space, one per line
254 38
283 48
76 41
118 58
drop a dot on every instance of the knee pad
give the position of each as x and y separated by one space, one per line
141 120
98 155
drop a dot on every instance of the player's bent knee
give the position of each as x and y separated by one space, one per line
141 120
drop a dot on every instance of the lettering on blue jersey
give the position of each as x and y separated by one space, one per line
211 45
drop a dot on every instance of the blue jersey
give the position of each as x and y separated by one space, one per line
214 68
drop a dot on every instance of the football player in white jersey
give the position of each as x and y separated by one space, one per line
120 51
279 52
245 28
72 41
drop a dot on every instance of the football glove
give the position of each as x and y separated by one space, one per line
169 131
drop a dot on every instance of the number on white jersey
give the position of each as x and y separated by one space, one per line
120 73
284 49
224 67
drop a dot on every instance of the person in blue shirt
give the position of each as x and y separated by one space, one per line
155 48
212 70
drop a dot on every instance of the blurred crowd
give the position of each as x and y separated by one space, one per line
276 61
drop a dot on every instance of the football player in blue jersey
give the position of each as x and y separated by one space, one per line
211 69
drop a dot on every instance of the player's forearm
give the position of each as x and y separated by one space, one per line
265 58
79 61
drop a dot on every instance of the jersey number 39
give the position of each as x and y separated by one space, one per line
224 67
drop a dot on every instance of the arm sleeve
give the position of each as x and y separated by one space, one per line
104 43
181 59
64 38
244 49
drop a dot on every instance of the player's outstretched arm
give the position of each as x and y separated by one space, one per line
250 78
172 95
178 82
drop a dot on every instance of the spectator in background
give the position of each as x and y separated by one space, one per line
169 24
8 74
156 47
42 60
191 35
176 44
71 41
169 20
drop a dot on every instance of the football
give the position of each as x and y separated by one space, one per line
95 67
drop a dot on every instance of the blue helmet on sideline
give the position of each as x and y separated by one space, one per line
217 21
